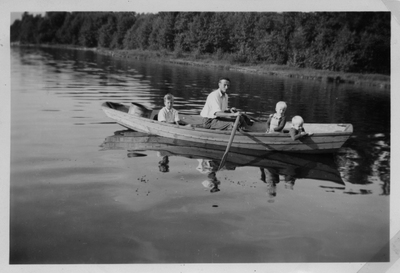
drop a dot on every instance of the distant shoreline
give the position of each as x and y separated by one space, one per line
373 80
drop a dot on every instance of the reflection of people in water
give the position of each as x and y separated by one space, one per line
210 168
292 173
270 177
212 182
163 164
289 181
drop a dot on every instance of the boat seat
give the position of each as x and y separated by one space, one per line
117 106
110 104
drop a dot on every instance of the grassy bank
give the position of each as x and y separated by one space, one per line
224 62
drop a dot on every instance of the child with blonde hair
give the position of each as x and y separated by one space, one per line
276 122
297 131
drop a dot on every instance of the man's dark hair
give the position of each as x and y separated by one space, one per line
224 78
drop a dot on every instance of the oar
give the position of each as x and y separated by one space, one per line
230 142
250 117
247 115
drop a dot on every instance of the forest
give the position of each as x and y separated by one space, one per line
357 42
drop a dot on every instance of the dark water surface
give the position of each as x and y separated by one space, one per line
73 201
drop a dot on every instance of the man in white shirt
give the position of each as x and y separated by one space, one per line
215 113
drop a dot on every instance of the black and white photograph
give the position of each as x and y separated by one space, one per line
214 136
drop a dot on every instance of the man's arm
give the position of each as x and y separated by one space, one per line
294 134
227 115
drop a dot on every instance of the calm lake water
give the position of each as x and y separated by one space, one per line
74 201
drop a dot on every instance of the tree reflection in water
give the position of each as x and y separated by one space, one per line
366 164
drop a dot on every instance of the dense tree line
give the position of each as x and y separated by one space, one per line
336 41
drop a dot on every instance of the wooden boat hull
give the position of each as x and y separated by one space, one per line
327 138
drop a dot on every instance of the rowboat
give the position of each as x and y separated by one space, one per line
326 138
318 167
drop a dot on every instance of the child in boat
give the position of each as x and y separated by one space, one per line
277 121
168 113
297 131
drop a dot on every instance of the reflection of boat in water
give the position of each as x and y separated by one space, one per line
326 137
320 167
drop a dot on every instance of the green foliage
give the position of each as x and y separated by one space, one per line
183 21
87 33
48 26
335 41
107 32
197 54
69 31
125 20
137 37
28 29
15 30
220 54
178 53
166 32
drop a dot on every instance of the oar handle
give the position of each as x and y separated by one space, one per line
250 117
